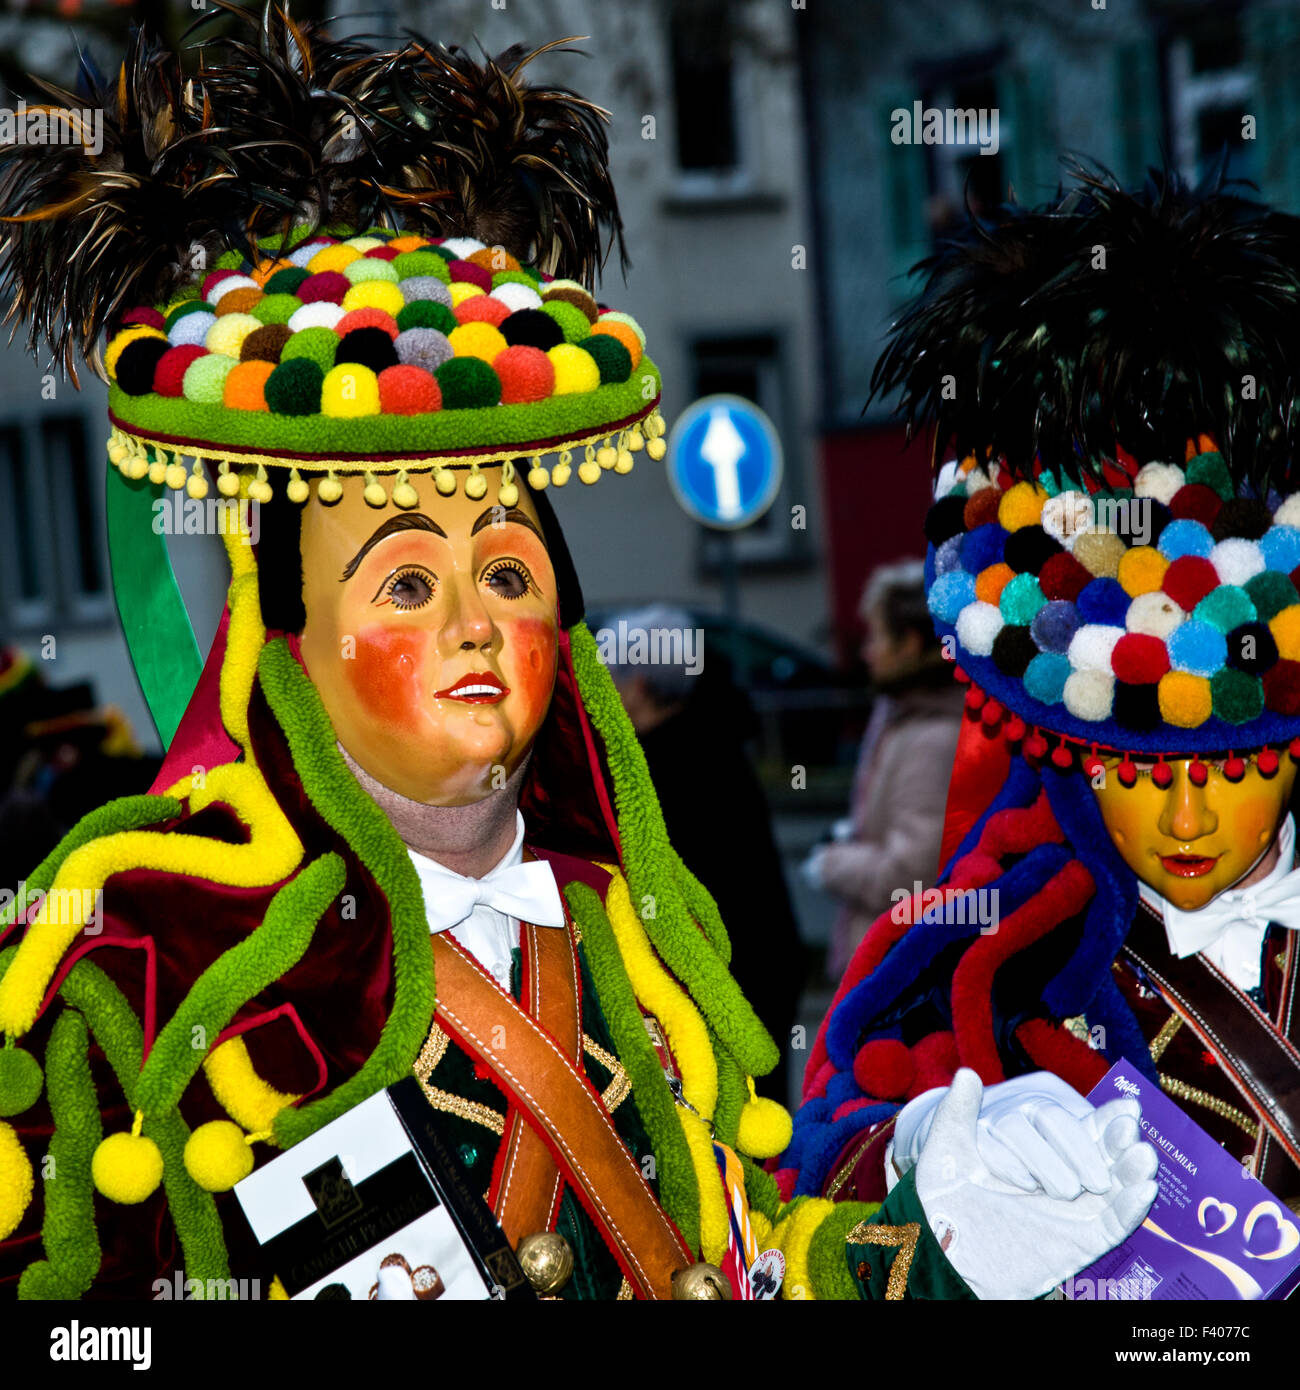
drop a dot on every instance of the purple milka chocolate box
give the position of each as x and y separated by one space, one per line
1214 1231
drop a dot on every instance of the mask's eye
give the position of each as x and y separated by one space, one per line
410 587
508 579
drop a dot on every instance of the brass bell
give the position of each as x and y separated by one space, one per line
547 1261
702 1282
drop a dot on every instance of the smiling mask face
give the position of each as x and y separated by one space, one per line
432 637
1191 843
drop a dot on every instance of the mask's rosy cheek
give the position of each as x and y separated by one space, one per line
385 674
533 665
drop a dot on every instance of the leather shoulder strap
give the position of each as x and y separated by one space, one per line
562 1106
1262 1064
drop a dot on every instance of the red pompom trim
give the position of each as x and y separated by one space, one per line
481 308
527 374
328 287
1063 577
471 274
405 389
1139 659
1189 579
884 1068
367 318
1282 687
169 374
1196 502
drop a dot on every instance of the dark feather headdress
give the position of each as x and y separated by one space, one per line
283 124
1109 319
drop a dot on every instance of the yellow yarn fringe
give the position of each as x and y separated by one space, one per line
16 1181
244 639
271 854
793 1237
715 1224
661 995
249 1100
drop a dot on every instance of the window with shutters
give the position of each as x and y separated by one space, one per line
53 570
1212 90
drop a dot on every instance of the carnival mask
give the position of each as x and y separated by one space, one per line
431 636
1203 830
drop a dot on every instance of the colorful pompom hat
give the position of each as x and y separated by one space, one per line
308 260
279 254
1115 562
386 353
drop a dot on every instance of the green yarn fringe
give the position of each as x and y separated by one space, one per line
655 872
679 1193
351 814
125 813
277 944
732 1095
761 1189
828 1265
68 1230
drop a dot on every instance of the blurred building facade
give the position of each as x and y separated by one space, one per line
770 221
1118 81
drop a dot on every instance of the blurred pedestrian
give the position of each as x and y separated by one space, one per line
693 722
891 836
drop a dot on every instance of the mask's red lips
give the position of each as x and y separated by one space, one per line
1188 865
482 688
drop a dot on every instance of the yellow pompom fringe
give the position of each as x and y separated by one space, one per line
273 851
130 454
249 1100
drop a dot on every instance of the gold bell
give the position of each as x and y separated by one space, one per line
547 1261
702 1283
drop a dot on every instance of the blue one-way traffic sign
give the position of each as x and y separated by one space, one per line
724 461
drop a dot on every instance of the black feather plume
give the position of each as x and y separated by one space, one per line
490 156
282 124
1109 318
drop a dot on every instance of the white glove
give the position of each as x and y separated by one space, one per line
1031 1134
1009 1243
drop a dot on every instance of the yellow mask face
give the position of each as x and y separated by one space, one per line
1191 843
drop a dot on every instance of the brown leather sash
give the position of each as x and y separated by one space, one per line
526 1183
1256 1057
562 1108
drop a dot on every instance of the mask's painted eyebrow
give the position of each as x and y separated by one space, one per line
408 521
514 514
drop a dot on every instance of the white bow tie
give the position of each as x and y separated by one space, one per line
1274 899
526 892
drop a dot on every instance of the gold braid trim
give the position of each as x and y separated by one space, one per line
466 1109
1182 1091
904 1237
1165 1036
620 1086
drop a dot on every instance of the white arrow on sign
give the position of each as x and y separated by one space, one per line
722 449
